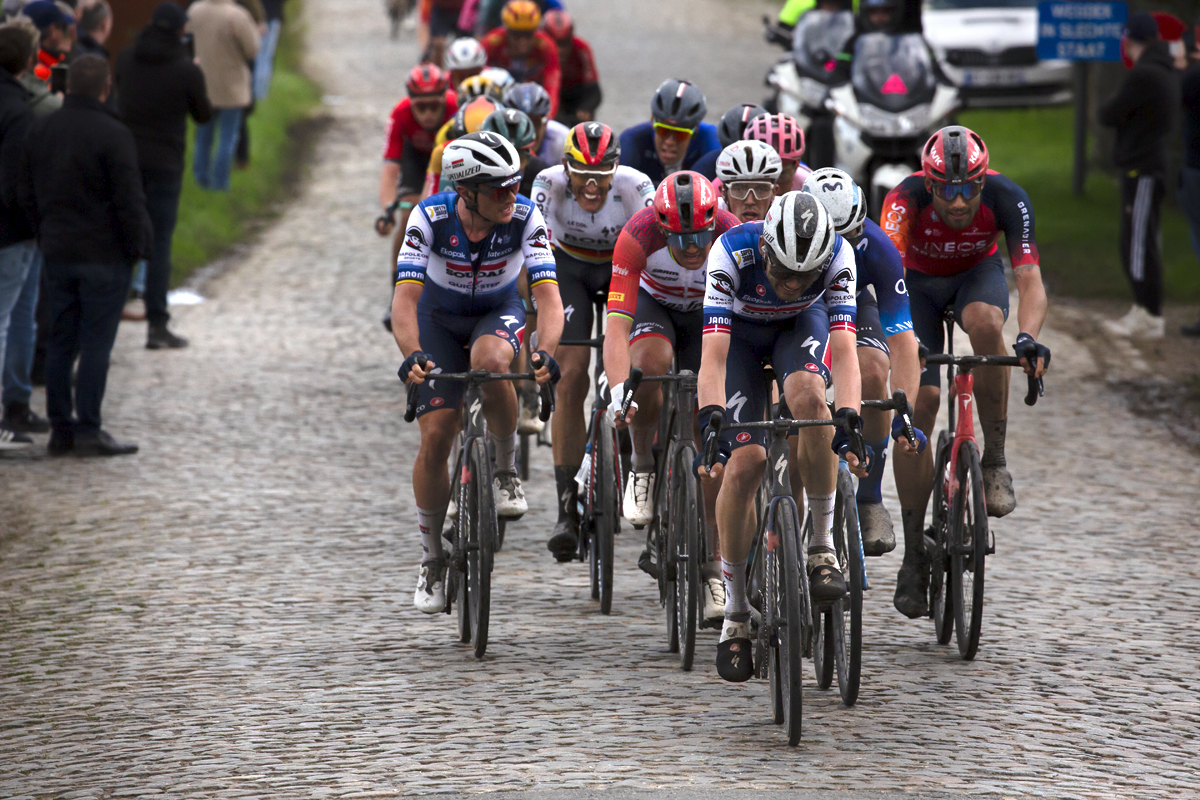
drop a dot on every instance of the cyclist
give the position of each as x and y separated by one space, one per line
466 120
885 341
529 54
551 134
480 85
729 130
464 57
676 135
412 129
787 137
748 172
456 289
655 314
443 25
945 222
580 95
586 201
780 290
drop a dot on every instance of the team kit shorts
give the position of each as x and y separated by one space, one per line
581 285
682 329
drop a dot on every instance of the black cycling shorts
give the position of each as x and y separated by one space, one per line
869 328
930 295
580 285
682 329
443 22
413 166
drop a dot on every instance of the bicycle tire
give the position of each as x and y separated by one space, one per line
846 617
823 653
608 520
783 566
685 522
664 546
941 603
480 546
968 539
466 523
523 449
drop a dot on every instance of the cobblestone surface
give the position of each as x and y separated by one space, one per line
228 613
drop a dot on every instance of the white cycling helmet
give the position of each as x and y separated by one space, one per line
465 53
749 160
837 191
798 233
479 158
501 78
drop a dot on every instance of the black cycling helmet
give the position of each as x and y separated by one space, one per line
733 122
513 125
528 97
678 103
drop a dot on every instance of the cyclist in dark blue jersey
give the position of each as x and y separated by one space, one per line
729 130
676 135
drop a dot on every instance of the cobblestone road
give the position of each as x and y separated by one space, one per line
228 613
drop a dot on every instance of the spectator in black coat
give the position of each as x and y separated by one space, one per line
1189 178
94 27
158 86
79 182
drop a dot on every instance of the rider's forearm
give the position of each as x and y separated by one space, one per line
404 317
847 382
905 364
1031 299
389 181
550 316
616 349
711 390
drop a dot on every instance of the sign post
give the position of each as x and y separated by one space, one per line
1081 31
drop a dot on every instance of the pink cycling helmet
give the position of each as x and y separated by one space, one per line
781 132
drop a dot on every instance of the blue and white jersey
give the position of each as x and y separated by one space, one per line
470 278
879 266
737 284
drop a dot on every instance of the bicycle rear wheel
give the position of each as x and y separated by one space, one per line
823 624
607 519
784 613
968 542
846 615
479 525
686 532
941 603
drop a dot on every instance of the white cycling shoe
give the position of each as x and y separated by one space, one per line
713 592
509 496
528 421
430 597
638 505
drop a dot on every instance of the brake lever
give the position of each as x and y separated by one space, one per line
545 392
900 404
410 411
712 442
1036 390
630 386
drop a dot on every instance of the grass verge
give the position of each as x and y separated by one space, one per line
210 222
1077 236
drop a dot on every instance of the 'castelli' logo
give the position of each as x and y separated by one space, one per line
812 368
454 241
743 437
502 334
760 289
437 401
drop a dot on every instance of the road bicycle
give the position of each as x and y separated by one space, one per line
958 540
475 529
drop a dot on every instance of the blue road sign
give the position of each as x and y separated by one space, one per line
1081 30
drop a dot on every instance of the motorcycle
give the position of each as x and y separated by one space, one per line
802 80
892 105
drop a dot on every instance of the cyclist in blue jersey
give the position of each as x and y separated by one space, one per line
729 130
781 290
456 307
885 341
675 137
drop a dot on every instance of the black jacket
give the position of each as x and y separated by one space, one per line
15 118
1191 116
80 185
1143 111
158 85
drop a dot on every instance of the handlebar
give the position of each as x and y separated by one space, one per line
545 391
851 423
388 217
581 342
630 386
410 410
899 404
481 376
1036 388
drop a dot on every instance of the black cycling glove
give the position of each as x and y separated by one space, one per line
841 435
1028 349
547 361
415 357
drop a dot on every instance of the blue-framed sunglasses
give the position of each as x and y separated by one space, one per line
949 191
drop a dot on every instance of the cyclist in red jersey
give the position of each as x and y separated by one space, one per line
946 221
579 95
529 54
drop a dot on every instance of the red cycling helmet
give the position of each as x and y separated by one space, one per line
686 207
425 79
781 132
592 144
954 155
559 25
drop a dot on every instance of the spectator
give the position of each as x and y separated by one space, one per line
57 29
79 183
94 27
1189 178
579 96
1143 111
18 250
40 99
226 44
264 66
158 86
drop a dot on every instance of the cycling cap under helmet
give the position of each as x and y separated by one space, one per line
479 158
513 125
798 232
465 53
734 121
749 160
781 132
678 103
558 24
954 155
521 15
837 191
425 79
591 144
529 97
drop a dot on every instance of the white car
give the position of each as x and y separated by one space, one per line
989 49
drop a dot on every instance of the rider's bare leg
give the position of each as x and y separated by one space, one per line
499 398
736 523
653 356
431 480
984 325
914 482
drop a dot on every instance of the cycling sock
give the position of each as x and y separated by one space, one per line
822 516
734 576
643 448
430 523
993 443
506 452
870 488
914 533
564 481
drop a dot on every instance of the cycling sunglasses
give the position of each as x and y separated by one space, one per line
743 189
500 191
682 241
428 106
782 275
673 131
596 176
949 191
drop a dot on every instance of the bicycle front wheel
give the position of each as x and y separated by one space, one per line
846 614
784 613
941 603
968 543
480 526
686 532
608 511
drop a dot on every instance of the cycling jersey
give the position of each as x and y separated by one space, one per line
469 278
553 141
738 286
642 259
928 245
540 67
584 235
637 149
878 265
580 66
403 129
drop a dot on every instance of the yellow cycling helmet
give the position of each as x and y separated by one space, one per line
477 86
521 15
471 116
